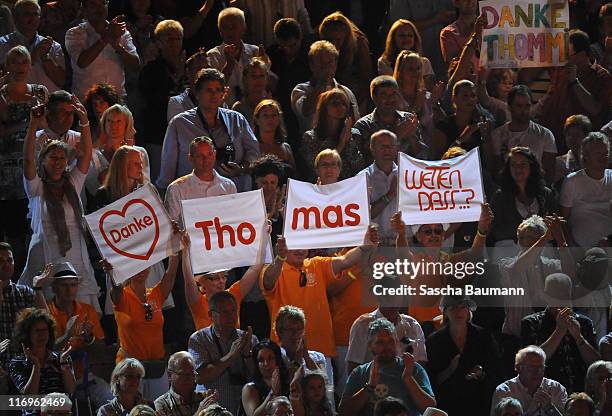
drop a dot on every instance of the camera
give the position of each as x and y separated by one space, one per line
226 154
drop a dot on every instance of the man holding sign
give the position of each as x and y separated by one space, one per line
294 279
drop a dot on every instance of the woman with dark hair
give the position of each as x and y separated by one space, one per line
333 129
523 193
141 20
97 99
462 360
271 379
404 36
41 369
53 193
309 394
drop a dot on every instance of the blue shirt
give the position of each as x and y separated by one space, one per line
390 383
186 126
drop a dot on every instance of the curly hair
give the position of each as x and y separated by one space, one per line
270 164
104 91
26 319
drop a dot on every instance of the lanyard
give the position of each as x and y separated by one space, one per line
207 128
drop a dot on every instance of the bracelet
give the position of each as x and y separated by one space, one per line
84 125
479 234
93 339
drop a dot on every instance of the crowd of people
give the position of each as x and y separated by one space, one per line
204 98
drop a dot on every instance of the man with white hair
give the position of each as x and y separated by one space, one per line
537 394
233 54
56 404
48 65
530 266
182 398
586 194
279 406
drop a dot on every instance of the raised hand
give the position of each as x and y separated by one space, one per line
44 278
408 365
397 224
30 356
281 247
373 380
438 91
486 218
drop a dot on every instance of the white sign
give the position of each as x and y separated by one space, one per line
444 191
525 33
227 231
133 233
335 215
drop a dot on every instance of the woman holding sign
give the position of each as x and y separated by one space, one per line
140 322
53 193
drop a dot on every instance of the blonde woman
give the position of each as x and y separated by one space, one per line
404 36
118 129
125 384
255 83
269 129
415 98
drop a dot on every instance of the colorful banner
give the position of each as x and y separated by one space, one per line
335 215
444 191
524 33
227 231
133 233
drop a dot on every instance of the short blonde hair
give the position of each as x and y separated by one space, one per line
130 131
328 152
520 356
120 369
231 12
322 46
166 26
17 51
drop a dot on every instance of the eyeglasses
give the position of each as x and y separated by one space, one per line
184 374
432 231
148 312
303 278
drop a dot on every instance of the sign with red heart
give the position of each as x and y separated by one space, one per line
133 233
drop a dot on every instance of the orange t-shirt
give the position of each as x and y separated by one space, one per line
138 337
83 312
199 310
312 298
348 305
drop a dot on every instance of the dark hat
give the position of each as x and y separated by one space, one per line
453 300
593 269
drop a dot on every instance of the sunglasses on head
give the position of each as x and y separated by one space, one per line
303 278
432 231
148 312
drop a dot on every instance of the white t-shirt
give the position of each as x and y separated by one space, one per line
536 137
589 200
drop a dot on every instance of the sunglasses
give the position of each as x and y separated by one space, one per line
148 312
303 278
432 231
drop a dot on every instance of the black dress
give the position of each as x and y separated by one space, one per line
457 395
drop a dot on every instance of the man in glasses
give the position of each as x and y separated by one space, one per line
182 398
538 395
76 323
222 353
295 279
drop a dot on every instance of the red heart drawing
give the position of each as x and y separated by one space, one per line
122 214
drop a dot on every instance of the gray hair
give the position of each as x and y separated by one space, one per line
177 358
120 369
535 222
382 133
271 406
530 349
505 403
594 137
231 12
288 313
378 326
56 401
589 380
